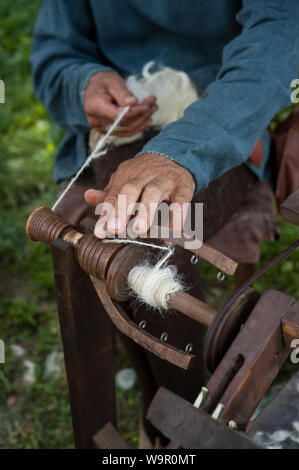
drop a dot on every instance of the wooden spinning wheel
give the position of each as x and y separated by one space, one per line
236 369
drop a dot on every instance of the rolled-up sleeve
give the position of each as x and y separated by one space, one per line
64 57
220 131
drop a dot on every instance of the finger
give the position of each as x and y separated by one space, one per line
102 122
180 200
95 196
107 212
150 100
177 216
127 198
135 131
137 110
125 133
137 126
104 107
182 194
152 196
132 119
122 131
122 96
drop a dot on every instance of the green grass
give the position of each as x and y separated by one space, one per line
38 415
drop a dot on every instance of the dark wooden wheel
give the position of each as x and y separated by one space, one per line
226 325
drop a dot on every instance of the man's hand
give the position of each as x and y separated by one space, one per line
150 179
105 93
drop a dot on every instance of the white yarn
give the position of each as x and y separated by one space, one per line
134 242
174 92
152 284
94 154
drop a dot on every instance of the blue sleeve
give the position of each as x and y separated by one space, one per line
220 131
64 57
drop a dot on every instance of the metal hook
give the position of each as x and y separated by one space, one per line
164 336
142 324
194 259
220 276
189 348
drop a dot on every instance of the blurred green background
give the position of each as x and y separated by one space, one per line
34 407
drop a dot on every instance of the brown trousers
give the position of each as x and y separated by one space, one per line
234 204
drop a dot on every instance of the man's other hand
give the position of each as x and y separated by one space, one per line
149 179
105 94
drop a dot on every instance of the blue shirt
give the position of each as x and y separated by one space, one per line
241 54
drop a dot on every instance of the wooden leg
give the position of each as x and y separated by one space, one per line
87 337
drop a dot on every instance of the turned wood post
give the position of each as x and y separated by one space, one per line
87 339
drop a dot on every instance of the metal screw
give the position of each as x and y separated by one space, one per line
142 324
194 259
189 348
164 336
220 276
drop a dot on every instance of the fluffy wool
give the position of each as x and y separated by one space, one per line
153 286
174 92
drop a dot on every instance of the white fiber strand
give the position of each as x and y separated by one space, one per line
95 154
134 242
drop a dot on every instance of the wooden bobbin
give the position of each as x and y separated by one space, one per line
45 226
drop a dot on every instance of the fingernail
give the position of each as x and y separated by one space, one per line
140 224
115 224
130 99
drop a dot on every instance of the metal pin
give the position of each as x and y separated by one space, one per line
201 397
194 259
220 276
218 411
232 424
142 324
189 348
164 336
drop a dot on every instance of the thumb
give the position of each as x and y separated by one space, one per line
94 196
121 94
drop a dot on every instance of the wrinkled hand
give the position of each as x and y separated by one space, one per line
105 94
150 179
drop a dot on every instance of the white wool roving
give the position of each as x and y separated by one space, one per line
153 286
174 92
173 89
